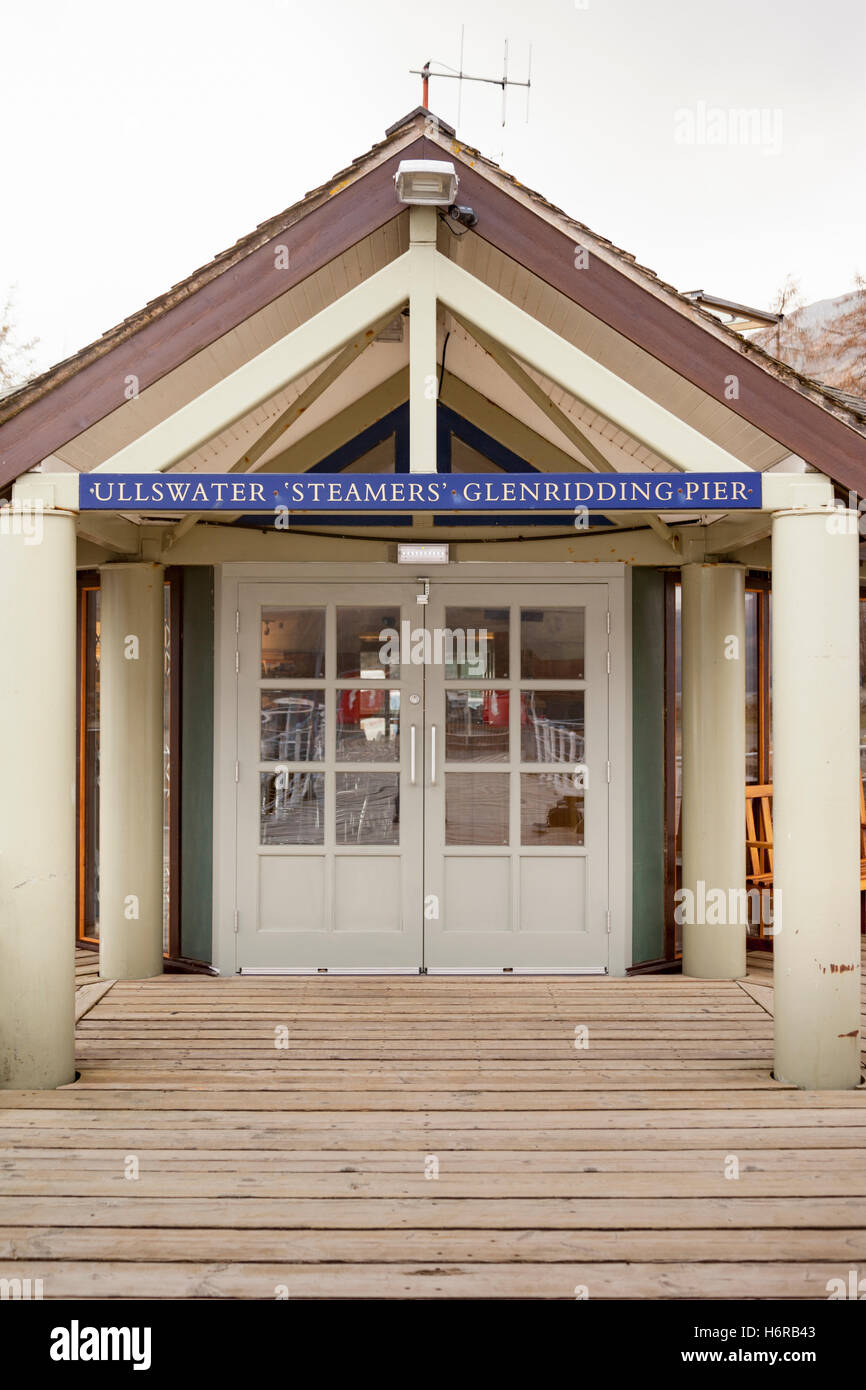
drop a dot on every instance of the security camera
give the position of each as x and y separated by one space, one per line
467 217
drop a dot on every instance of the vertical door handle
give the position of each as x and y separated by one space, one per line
412 756
432 755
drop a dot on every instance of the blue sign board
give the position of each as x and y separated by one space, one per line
419 492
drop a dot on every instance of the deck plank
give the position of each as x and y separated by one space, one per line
304 1167
515 1279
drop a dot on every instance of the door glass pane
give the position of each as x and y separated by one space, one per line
476 808
292 726
474 643
552 726
368 808
368 643
552 643
293 642
476 726
551 809
292 808
368 725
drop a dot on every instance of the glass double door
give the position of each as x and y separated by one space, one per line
422 784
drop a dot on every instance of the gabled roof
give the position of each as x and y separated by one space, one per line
814 423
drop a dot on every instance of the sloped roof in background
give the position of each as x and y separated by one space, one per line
824 426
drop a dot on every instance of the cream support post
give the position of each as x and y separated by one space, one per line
131 771
816 730
37 808
423 380
714 758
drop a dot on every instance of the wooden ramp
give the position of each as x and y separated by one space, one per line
86 967
430 1137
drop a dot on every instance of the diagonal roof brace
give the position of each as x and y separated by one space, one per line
530 387
327 376
270 371
576 372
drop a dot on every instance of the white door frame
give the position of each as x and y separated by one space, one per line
228 578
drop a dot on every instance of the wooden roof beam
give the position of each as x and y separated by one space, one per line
576 372
334 327
309 396
527 384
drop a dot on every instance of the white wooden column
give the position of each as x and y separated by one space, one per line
423 380
131 655
816 817
37 804
714 771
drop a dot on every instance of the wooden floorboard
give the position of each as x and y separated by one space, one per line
430 1137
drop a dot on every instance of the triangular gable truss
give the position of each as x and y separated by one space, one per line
424 282
45 414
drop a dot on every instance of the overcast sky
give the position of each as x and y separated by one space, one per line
142 140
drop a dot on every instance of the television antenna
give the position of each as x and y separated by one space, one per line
459 76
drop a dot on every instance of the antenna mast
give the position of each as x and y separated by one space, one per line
460 76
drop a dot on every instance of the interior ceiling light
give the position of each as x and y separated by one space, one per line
430 552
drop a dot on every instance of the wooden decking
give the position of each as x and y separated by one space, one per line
198 1158
86 967
760 967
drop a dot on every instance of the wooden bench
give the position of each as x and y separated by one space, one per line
759 845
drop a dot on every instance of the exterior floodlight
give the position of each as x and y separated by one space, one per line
430 182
